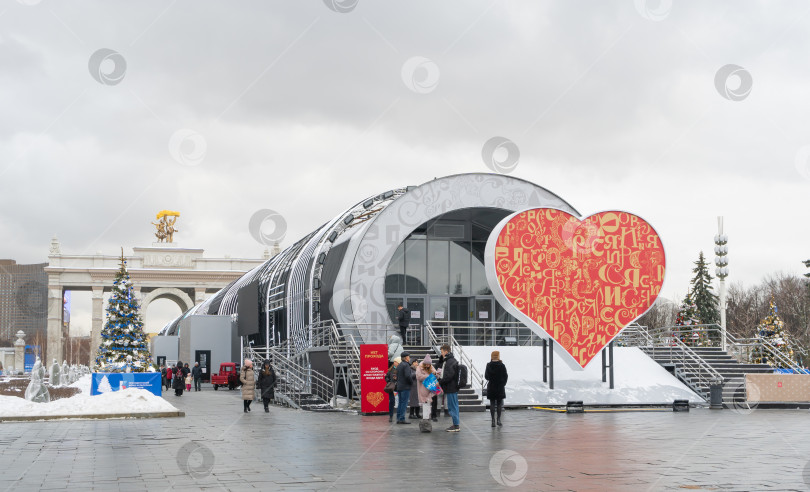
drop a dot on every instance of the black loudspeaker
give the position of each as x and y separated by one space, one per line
574 407
680 406
425 426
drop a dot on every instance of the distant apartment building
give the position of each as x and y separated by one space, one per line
23 302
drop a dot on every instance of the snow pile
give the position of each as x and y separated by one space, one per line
128 401
83 384
637 378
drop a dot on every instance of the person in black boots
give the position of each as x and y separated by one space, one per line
248 378
178 380
403 320
267 381
496 376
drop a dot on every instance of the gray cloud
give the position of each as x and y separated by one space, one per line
304 111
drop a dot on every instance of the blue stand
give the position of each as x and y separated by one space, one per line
149 381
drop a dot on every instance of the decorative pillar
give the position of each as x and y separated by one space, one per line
56 311
97 322
19 352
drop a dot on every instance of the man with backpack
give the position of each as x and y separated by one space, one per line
403 320
449 383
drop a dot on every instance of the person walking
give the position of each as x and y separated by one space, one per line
168 377
403 320
196 373
248 378
405 379
426 398
391 376
496 377
267 381
178 382
449 383
163 377
188 382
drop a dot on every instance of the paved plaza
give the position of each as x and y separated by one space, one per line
218 447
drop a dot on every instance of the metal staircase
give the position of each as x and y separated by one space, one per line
701 366
297 386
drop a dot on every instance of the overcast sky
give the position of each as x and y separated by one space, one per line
220 109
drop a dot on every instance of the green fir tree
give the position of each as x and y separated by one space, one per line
772 330
703 294
122 335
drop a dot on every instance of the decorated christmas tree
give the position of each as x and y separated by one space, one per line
123 334
772 330
686 318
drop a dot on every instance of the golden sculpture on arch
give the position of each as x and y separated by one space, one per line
165 226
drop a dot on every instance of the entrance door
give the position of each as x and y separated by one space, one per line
416 305
161 360
204 358
484 315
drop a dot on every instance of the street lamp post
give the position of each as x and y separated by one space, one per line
721 261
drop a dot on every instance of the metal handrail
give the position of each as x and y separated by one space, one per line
343 349
738 346
293 379
487 333
475 376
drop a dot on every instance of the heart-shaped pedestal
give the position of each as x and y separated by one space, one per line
578 282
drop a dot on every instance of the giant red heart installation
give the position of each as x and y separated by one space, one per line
583 281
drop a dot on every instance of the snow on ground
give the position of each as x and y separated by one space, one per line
126 401
637 378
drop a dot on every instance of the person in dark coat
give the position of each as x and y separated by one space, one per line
413 401
403 320
196 373
449 383
163 382
267 381
496 376
405 379
390 376
178 380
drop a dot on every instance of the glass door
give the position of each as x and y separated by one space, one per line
484 315
460 318
416 305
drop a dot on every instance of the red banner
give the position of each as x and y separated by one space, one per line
373 365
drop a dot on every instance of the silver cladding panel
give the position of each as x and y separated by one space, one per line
368 256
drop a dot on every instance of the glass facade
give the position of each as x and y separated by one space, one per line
440 268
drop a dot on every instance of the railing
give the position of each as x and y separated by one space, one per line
293 380
344 350
455 348
742 349
486 333
695 366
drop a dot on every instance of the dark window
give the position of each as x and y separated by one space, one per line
438 267
416 266
460 268
480 287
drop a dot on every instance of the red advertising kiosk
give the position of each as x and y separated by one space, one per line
373 366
